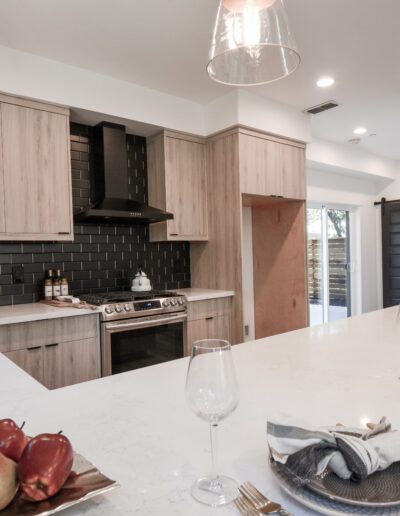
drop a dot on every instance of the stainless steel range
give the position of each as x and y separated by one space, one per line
140 329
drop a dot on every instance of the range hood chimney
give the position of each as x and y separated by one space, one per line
109 183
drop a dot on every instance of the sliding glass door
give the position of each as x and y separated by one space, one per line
329 270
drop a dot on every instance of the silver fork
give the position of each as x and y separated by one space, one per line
245 507
261 502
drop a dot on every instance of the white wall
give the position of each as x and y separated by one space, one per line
43 79
358 195
349 160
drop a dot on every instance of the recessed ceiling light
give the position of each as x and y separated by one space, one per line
325 82
355 141
360 130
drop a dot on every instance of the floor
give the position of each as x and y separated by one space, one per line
335 313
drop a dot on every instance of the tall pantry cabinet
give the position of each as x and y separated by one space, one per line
267 173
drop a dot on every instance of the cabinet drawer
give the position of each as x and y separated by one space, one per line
209 308
50 331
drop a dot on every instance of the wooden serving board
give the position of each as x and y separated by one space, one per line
65 304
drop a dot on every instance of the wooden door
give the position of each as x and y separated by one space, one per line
219 328
196 330
391 254
36 171
73 362
186 190
259 161
292 172
30 360
213 327
2 218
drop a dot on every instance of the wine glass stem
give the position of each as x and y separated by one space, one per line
214 451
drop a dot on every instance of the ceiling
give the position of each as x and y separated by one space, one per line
163 44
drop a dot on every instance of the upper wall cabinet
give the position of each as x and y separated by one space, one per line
271 166
177 183
35 171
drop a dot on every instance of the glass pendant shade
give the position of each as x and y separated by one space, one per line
252 43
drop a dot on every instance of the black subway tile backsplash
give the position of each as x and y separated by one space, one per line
102 257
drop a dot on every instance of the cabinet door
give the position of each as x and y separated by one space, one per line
36 171
259 161
30 360
292 170
196 330
217 327
2 219
271 168
73 362
186 190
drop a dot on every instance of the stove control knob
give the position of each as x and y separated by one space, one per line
109 309
180 301
173 302
166 303
127 307
118 309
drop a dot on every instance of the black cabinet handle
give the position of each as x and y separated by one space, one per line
64 232
209 318
51 345
173 234
33 348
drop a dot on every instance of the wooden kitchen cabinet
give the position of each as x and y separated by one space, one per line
177 183
30 360
271 166
56 352
255 169
35 171
73 362
210 319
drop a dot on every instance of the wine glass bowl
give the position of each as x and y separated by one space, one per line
212 394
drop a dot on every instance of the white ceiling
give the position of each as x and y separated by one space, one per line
163 44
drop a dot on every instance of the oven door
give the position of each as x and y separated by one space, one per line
135 343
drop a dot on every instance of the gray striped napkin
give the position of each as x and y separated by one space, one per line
351 453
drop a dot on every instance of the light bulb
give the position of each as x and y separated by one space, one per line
239 5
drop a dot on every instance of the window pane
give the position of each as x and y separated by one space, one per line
339 279
315 285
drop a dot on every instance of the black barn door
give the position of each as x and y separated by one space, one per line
391 254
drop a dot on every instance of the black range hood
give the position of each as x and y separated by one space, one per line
109 183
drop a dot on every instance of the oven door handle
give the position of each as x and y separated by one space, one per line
137 325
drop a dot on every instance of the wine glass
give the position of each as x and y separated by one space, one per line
212 393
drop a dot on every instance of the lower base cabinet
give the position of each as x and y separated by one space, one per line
46 354
209 319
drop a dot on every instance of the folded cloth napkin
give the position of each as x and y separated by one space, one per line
351 453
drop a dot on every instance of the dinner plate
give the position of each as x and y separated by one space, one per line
381 489
84 482
324 504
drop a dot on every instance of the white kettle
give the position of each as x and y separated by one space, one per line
140 282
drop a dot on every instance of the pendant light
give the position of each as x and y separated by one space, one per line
252 43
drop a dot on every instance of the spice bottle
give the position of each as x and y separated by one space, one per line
48 286
57 285
64 286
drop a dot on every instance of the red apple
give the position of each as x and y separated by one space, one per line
12 439
45 466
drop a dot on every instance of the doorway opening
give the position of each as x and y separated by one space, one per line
329 264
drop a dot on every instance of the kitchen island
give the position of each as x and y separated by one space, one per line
137 429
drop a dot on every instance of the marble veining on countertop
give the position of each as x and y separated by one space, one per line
38 311
202 294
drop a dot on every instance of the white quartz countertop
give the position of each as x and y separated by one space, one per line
37 311
137 428
202 294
